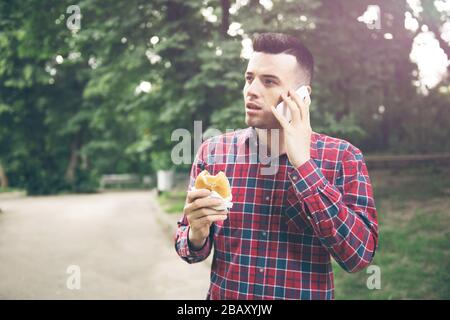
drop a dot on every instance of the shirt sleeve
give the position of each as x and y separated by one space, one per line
345 222
182 245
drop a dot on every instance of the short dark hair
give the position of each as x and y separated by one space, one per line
275 43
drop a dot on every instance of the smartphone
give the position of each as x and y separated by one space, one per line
302 91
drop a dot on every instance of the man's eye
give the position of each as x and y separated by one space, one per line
269 82
248 78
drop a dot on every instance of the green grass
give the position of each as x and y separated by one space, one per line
10 190
414 238
172 202
413 259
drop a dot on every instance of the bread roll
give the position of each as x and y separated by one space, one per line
218 183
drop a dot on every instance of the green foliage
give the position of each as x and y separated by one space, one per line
161 161
63 125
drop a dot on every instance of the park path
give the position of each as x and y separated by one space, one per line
115 238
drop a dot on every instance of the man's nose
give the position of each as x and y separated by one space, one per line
254 88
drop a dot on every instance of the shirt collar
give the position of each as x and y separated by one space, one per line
250 132
245 135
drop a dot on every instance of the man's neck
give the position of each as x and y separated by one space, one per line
265 136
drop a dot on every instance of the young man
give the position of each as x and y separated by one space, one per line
278 239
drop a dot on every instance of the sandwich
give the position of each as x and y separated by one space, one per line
218 185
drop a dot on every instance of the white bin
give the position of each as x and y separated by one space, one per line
165 180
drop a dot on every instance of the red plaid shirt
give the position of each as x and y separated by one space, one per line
283 229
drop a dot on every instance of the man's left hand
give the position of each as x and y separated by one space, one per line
297 132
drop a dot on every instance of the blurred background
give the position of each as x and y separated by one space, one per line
91 91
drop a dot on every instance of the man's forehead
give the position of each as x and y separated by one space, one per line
276 64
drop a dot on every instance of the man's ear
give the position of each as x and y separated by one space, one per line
309 89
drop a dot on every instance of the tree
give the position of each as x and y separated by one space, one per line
76 104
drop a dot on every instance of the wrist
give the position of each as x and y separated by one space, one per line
196 242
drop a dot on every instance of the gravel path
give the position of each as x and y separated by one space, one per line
115 238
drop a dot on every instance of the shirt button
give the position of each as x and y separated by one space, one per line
264 234
267 198
261 270
294 177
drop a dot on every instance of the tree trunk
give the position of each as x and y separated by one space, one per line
174 11
3 178
225 17
73 161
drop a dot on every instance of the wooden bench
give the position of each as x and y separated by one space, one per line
405 161
119 179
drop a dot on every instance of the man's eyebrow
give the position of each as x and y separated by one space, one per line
270 76
265 75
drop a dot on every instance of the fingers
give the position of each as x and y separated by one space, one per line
209 219
302 104
204 203
295 111
202 207
208 212
199 193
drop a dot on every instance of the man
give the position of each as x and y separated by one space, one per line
278 239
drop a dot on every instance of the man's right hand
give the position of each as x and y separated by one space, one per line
201 216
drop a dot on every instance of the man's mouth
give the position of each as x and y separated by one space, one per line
252 106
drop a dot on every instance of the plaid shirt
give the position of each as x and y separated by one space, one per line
283 229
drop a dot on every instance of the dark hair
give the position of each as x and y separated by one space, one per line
275 43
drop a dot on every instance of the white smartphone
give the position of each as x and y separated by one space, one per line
302 91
